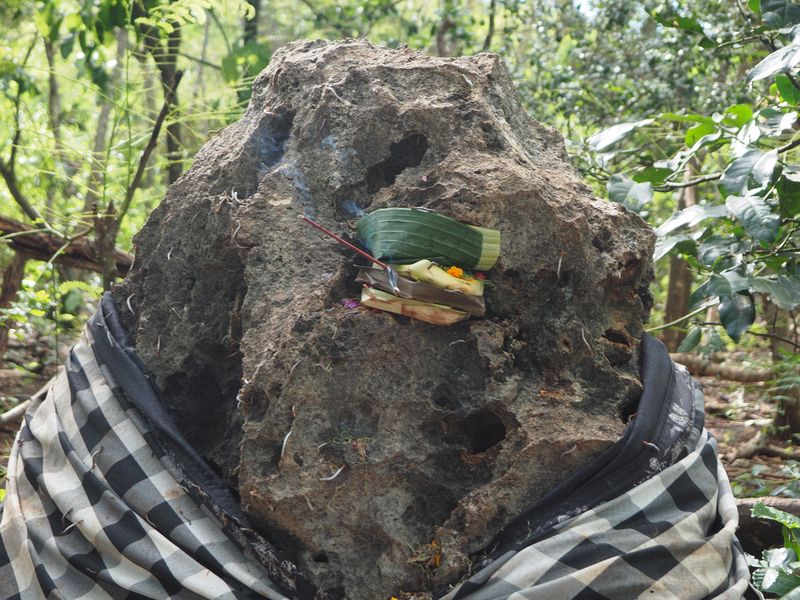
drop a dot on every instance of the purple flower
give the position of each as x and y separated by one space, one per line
350 303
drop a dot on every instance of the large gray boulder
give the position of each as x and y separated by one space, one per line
444 433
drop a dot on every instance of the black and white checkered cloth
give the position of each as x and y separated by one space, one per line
106 499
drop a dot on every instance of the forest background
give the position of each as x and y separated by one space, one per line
685 112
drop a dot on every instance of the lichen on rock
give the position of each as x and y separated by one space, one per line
434 434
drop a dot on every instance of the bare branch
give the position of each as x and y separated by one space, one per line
30 211
148 150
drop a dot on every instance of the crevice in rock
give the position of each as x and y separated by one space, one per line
268 144
618 337
408 152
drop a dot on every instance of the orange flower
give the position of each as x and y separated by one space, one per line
455 271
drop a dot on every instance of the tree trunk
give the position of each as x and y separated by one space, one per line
487 42
12 282
678 292
106 228
679 287
53 118
251 26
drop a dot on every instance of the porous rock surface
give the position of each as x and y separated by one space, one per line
437 433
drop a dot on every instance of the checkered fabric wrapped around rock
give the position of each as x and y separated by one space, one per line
106 499
96 507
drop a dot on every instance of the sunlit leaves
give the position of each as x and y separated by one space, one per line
696 133
755 216
780 61
652 174
737 115
178 13
670 233
605 139
742 232
787 89
245 61
776 571
753 165
689 217
689 24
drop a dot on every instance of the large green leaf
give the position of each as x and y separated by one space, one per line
666 243
737 313
788 188
606 138
753 163
755 216
775 581
783 290
716 246
689 217
762 511
737 115
727 284
696 133
407 235
654 175
630 194
691 340
787 89
780 61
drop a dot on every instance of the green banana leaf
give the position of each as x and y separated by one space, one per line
403 235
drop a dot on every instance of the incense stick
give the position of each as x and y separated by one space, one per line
345 242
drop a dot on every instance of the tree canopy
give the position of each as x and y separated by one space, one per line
684 112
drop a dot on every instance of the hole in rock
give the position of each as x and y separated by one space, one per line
618 337
321 558
629 406
408 152
443 398
478 432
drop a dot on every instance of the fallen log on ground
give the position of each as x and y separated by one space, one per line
757 534
699 365
78 253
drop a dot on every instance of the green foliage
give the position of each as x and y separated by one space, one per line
743 234
778 571
46 305
169 16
